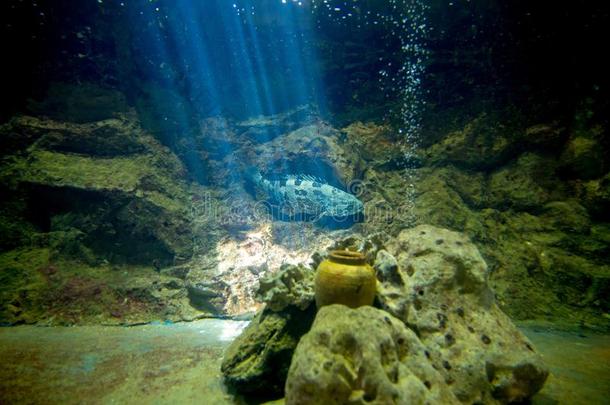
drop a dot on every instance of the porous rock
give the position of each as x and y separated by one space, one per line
439 289
291 285
362 356
257 362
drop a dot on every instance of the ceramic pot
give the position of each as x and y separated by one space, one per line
345 278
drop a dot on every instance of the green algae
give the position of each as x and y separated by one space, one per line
21 284
38 286
106 220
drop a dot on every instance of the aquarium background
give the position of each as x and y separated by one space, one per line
128 129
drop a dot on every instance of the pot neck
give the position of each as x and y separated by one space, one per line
347 257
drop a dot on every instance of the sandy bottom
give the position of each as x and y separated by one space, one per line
179 364
579 364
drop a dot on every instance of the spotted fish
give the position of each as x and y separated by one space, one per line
305 196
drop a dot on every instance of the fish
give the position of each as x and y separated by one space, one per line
302 196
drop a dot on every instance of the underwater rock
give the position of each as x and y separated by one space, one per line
97 195
79 102
376 145
290 285
583 158
545 136
107 179
265 128
519 212
440 290
362 355
481 144
310 149
257 362
595 195
527 183
518 245
110 137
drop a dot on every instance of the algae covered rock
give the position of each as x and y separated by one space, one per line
526 183
107 179
444 196
583 158
363 355
481 144
82 102
377 145
257 362
440 290
109 204
439 337
595 195
290 285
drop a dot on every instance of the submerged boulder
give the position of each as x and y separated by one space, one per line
363 355
81 102
291 285
481 144
583 158
257 362
109 179
595 195
95 196
438 337
527 183
439 289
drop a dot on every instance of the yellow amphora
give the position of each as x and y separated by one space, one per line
345 278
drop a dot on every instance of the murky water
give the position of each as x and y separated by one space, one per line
180 363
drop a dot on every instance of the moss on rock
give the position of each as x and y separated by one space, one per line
96 197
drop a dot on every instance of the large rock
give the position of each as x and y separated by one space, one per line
362 356
94 196
310 149
439 289
481 144
257 362
583 158
527 183
79 102
108 179
595 195
291 285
